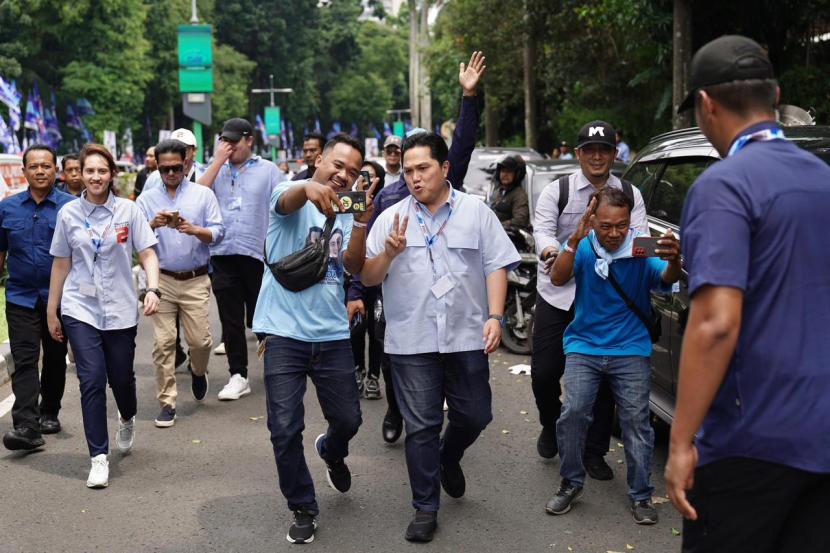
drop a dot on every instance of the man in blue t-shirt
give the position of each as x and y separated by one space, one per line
751 435
307 332
609 339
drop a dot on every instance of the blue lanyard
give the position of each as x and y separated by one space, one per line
764 135
235 174
430 240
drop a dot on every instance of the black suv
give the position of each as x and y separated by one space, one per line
663 171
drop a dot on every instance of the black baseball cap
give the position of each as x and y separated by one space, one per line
596 132
724 60
235 129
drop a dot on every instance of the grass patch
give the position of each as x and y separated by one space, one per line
4 330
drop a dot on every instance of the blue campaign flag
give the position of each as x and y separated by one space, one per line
387 130
376 132
260 126
11 97
83 107
354 132
290 136
407 125
317 127
8 139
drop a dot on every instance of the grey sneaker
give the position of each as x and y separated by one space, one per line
371 388
565 496
644 512
126 434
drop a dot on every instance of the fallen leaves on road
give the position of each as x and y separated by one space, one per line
523 412
505 432
629 547
196 441
658 500
675 532
256 418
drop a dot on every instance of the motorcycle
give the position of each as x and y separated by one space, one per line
520 306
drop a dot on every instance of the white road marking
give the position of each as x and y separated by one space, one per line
6 405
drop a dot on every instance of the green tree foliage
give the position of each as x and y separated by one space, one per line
231 77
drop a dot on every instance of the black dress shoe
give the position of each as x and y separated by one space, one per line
546 445
392 427
49 424
597 467
422 528
452 480
24 439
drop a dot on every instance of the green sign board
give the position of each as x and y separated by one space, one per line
397 129
195 46
273 124
195 80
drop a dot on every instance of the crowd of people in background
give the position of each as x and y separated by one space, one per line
423 273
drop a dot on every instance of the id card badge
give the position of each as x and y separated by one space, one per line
442 286
236 204
88 289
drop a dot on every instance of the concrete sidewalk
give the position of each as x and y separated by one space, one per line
6 363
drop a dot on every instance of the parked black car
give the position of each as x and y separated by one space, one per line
663 171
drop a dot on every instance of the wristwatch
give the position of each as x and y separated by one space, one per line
156 291
499 318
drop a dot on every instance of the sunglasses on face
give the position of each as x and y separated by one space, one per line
165 169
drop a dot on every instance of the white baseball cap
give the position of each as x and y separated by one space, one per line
185 136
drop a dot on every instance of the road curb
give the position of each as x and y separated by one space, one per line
6 363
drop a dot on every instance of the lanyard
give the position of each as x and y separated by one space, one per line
235 174
96 242
764 135
430 240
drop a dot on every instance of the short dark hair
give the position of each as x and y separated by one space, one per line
43 147
68 157
619 132
315 136
343 138
747 96
437 146
613 197
171 146
380 172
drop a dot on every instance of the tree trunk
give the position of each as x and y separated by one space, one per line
425 110
682 43
529 58
414 77
491 130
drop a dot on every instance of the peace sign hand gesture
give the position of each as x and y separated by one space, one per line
396 241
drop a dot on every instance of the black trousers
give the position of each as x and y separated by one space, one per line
746 505
547 365
28 332
358 337
236 281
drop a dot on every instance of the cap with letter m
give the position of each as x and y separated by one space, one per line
596 132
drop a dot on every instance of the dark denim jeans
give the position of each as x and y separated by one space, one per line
630 379
329 365
422 382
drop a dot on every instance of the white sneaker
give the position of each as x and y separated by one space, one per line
99 473
220 349
236 387
126 435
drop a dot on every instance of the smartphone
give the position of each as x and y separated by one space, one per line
357 320
174 219
354 202
646 246
367 178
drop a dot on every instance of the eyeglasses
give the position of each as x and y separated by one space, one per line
165 169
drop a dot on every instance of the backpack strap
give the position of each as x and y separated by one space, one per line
564 191
628 190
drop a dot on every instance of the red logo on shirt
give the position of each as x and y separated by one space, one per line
122 233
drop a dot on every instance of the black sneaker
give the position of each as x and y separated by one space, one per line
371 388
303 527
392 427
23 438
644 512
452 480
597 467
546 444
565 496
422 528
338 473
199 386
166 417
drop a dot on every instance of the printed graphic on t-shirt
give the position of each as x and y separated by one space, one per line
334 274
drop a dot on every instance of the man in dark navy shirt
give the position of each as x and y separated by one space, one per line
27 222
750 441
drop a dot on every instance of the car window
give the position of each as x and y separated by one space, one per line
643 176
670 193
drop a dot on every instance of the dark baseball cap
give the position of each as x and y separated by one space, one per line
235 129
724 60
596 132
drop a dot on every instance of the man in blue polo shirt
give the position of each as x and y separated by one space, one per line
609 339
750 441
27 223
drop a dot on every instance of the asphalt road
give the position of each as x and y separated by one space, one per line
209 483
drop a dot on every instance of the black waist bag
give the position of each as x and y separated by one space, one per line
306 267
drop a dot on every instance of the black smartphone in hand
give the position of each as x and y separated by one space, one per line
353 202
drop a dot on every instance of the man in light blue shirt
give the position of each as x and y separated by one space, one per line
442 257
186 219
243 184
307 332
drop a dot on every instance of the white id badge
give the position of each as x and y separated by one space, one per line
236 204
88 289
442 286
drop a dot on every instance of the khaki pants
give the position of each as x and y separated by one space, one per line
190 299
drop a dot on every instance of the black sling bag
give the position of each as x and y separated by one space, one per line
306 267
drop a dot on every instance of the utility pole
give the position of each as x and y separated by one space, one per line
273 121
529 59
681 55
414 62
423 71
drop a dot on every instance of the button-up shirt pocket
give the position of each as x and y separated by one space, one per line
463 252
569 220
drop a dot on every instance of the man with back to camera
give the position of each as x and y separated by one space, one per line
444 285
749 456
312 149
307 332
556 219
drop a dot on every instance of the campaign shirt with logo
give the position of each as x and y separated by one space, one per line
318 313
756 222
100 240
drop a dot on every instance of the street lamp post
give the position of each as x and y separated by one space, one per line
271 90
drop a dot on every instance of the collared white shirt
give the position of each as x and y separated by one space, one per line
471 245
392 178
552 229
99 289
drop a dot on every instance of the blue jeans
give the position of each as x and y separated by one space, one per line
630 380
422 382
329 365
